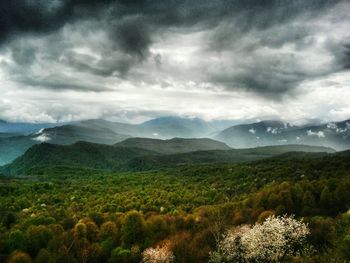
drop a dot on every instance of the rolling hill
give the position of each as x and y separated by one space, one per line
80 155
172 146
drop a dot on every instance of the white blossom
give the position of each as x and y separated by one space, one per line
271 241
158 255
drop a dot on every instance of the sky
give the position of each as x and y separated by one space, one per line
133 60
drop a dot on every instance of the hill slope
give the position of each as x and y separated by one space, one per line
175 145
80 154
220 156
105 157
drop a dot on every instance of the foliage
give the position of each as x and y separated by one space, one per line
85 215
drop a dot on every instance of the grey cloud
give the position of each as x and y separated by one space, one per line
132 36
59 82
114 64
23 54
270 76
346 56
23 16
271 58
238 28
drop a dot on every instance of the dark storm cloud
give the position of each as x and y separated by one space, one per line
132 36
346 56
41 16
238 28
23 16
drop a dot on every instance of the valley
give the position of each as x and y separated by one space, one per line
98 191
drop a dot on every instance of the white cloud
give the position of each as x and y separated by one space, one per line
319 134
272 130
252 131
42 138
332 126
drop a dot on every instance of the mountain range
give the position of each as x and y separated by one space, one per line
16 138
333 134
23 128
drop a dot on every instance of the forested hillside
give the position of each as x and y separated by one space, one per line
85 215
151 156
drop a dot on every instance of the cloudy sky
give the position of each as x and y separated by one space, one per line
132 60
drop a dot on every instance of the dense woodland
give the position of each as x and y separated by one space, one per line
63 214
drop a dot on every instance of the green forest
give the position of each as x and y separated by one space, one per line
64 214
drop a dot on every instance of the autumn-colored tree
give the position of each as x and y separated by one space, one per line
19 257
133 228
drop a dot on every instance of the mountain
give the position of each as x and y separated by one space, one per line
334 134
12 146
106 157
172 146
80 154
169 127
23 128
252 135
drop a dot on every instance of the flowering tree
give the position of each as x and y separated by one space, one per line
158 255
271 241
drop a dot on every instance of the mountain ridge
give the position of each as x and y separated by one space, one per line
107 157
174 145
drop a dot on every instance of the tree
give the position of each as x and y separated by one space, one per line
325 198
17 240
133 228
19 257
309 203
271 241
44 256
38 238
108 230
120 255
9 219
80 230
